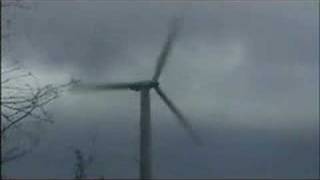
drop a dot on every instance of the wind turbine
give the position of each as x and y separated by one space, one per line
144 88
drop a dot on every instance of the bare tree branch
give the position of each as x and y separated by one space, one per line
22 100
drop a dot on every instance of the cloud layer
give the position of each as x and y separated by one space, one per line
245 73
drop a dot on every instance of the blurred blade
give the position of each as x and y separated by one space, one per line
100 87
182 120
165 52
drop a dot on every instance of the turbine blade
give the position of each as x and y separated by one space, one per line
182 120
100 87
166 49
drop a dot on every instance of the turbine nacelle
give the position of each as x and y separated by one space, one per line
137 86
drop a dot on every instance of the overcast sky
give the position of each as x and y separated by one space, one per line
244 72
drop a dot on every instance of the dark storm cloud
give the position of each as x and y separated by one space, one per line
246 73
91 35
97 37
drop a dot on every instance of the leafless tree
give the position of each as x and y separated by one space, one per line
84 158
23 103
82 164
23 100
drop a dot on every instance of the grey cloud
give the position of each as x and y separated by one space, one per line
246 73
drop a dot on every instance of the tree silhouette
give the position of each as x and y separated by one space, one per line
23 100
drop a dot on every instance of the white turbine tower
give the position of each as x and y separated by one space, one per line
144 88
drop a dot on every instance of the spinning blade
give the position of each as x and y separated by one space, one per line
166 50
182 120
